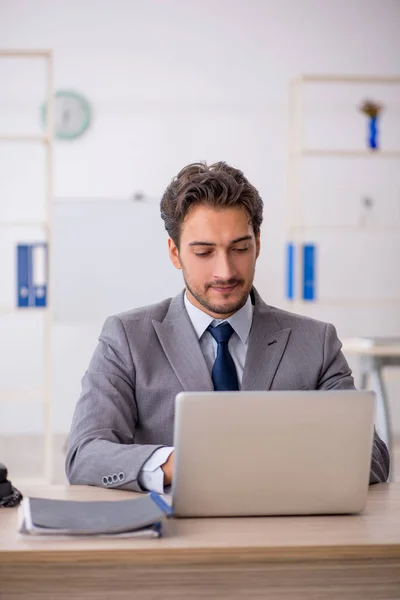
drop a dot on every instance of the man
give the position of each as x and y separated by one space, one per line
217 334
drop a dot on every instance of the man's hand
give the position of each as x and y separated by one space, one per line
167 467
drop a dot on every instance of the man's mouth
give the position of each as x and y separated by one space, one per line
224 289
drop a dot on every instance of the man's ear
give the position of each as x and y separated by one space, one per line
258 245
174 253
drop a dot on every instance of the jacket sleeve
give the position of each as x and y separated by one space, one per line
336 375
101 446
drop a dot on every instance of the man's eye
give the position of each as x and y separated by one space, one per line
202 253
241 249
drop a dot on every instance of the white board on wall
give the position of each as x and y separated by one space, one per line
109 257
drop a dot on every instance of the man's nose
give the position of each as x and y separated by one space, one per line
224 268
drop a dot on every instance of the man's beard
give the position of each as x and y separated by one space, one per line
218 309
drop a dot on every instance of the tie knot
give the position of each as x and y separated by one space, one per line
221 333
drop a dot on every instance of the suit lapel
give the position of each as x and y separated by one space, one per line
182 349
267 343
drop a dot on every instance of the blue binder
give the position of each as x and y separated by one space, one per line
31 275
309 258
23 261
290 257
39 274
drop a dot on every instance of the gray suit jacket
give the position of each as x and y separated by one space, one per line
145 357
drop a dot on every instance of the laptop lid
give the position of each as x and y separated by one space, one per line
272 453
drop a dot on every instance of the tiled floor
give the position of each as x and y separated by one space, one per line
24 458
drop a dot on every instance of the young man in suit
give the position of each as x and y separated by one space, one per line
218 334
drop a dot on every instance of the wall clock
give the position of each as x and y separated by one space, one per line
72 115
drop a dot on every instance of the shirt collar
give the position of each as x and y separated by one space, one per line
241 320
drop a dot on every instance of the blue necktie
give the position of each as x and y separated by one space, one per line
223 374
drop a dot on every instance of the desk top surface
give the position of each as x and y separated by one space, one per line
373 534
369 348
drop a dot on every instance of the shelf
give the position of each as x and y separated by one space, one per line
16 310
16 53
323 78
24 138
346 153
16 223
25 482
24 395
332 302
395 230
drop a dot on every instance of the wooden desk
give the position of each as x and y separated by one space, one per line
346 558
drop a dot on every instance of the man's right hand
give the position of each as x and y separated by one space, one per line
167 467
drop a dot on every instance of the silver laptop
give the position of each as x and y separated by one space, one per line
272 453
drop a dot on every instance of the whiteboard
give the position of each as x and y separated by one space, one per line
108 257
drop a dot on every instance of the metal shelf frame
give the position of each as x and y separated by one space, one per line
47 139
297 152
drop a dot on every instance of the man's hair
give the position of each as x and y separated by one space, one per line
217 185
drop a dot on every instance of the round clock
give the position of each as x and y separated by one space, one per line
72 115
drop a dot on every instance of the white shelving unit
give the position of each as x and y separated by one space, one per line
349 153
298 153
43 394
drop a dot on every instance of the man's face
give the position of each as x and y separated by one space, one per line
217 255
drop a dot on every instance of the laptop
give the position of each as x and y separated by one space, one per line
272 453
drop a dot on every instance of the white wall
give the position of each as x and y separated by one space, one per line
171 82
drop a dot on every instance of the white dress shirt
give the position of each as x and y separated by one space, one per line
152 475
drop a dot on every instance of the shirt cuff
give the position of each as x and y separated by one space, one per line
152 476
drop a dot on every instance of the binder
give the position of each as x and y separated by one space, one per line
39 275
23 275
32 275
309 258
290 256
143 516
